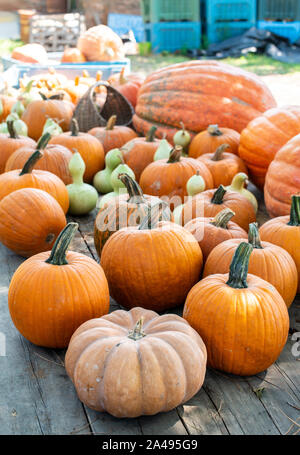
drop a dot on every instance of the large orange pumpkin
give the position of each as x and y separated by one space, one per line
101 44
284 231
30 221
199 94
242 319
11 142
283 178
264 136
268 261
53 293
209 140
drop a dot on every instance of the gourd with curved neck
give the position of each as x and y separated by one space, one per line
117 185
102 180
238 185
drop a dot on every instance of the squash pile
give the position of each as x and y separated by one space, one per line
175 224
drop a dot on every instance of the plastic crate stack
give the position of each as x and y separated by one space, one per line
281 17
227 18
172 25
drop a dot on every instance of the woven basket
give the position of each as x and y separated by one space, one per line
89 115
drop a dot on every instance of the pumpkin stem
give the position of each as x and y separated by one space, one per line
74 127
43 96
111 122
151 134
238 181
214 130
57 96
239 266
175 154
295 211
218 195
134 190
43 141
61 245
253 236
32 160
28 86
122 79
222 219
218 155
153 217
137 333
11 130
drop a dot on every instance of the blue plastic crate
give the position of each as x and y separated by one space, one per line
221 31
230 10
290 30
173 36
123 23
279 10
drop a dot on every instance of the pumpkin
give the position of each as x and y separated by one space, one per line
34 178
264 136
169 177
72 55
126 210
43 308
222 165
101 44
55 158
37 112
238 184
209 140
31 53
159 279
128 85
140 151
111 136
209 232
199 94
211 202
284 231
6 104
124 347
88 146
242 318
11 142
30 221
282 179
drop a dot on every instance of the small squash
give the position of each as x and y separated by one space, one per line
11 142
238 184
163 150
208 141
101 180
112 136
182 137
195 185
118 186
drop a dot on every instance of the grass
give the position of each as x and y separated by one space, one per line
7 45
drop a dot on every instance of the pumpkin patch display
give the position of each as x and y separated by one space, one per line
43 309
242 319
124 347
209 140
11 142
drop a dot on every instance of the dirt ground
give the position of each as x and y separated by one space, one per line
285 87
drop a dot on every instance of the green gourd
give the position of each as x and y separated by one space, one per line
29 94
102 179
182 137
18 108
195 185
163 150
12 117
238 185
20 127
82 197
52 127
117 184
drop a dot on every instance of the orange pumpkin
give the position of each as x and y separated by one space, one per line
264 136
11 142
101 44
223 166
111 136
55 159
32 178
242 319
6 103
73 55
42 307
284 231
127 85
209 140
30 221
209 232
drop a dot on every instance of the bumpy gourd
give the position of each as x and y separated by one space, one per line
102 179
83 197
182 137
163 151
52 127
237 185
195 185
117 185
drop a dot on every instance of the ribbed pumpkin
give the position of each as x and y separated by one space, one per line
128 209
153 265
90 149
53 293
139 152
284 231
34 178
101 44
223 165
11 142
6 103
268 261
209 140
209 232
128 85
242 319
169 177
264 136
37 112
111 136
55 159
30 221
199 94
283 178
124 347
211 202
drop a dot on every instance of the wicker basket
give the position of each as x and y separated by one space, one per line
89 115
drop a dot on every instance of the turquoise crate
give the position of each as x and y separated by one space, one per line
279 10
123 23
221 31
173 36
290 30
170 10
230 11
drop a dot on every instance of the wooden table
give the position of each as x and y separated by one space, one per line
37 397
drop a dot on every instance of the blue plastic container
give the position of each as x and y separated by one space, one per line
173 36
230 11
220 31
290 30
121 24
279 10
